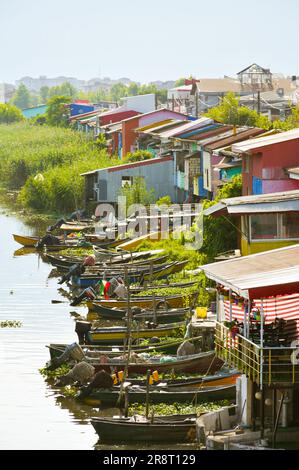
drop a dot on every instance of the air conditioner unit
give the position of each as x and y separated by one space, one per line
96 188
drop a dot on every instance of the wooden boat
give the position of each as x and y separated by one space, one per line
29 241
119 314
93 350
171 301
134 243
110 258
140 273
137 394
174 429
117 335
219 379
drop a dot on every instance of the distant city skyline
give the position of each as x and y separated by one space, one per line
145 42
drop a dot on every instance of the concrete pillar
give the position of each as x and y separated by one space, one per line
244 389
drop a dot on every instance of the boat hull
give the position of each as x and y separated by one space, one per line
208 394
123 431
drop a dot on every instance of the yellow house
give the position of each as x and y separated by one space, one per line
264 222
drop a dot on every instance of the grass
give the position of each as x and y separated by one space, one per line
45 164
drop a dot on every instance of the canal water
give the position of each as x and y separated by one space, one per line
34 415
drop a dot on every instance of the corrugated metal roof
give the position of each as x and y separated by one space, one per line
267 269
255 144
198 123
274 202
293 170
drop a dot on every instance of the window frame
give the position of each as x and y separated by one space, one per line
279 225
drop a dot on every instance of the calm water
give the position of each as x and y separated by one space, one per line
32 414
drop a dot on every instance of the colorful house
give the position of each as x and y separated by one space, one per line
29 113
257 332
266 161
129 136
264 222
103 185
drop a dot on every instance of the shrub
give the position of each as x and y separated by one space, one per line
138 156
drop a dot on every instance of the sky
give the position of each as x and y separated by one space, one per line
146 41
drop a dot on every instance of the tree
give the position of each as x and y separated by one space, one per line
44 93
229 111
66 89
58 111
22 97
138 193
220 233
118 91
10 114
290 123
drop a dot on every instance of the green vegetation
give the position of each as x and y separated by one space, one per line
9 114
21 98
46 163
229 111
220 233
10 324
53 374
162 409
57 112
138 193
138 156
164 201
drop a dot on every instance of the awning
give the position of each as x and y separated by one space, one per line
264 274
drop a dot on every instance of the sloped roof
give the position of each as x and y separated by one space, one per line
253 145
219 85
263 273
262 203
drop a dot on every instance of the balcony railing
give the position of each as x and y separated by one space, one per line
266 366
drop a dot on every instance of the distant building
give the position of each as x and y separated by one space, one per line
29 113
6 92
255 78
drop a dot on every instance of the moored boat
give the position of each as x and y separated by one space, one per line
174 429
117 335
170 301
138 394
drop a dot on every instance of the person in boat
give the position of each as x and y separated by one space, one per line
77 215
101 380
57 225
48 240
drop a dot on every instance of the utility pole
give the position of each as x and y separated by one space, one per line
259 102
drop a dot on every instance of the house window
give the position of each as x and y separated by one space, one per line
274 226
290 225
264 227
126 181
246 163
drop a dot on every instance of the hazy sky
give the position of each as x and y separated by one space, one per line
146 40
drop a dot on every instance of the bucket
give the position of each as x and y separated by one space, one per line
76 352
201 312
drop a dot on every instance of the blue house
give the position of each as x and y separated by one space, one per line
29 113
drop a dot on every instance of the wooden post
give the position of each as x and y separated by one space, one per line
148 374
274 410
126 402
262 413
154 310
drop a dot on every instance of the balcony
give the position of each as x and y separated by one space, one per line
270 366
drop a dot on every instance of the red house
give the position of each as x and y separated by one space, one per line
266 161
